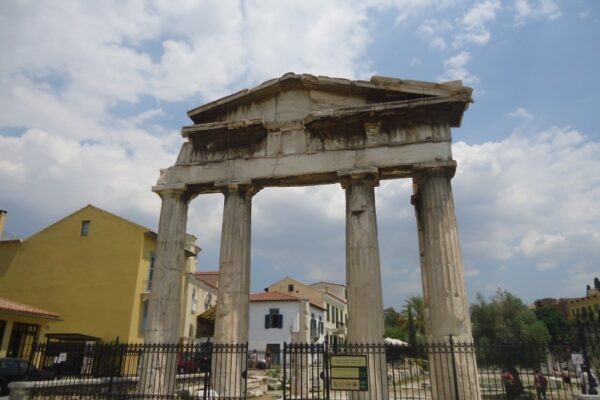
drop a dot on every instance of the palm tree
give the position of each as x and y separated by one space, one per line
414 308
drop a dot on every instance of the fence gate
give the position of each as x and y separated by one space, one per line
324 372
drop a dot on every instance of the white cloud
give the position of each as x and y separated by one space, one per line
435 31
473 24
540 243
546 265
524 10
531 198
480 14
456 69
521 113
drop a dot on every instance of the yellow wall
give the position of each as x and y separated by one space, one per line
300 290
591 303
93 282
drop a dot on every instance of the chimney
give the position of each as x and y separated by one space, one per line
2 221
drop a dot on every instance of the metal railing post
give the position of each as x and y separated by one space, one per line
326 367
285 350
454 376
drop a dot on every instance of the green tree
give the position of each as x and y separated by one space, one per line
558 326
506 320
391 318
416 305
394 327
508 334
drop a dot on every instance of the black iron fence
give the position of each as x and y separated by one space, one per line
448 370
142 371
435 371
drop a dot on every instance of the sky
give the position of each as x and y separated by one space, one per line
93 96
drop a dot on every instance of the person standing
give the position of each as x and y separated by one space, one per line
541 384
566 378
589 381
268 358
508 381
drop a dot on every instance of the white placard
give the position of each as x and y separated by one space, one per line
577 358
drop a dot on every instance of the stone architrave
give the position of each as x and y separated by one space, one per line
445 296
232 320
363 274
157 376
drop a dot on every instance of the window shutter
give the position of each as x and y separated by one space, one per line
267 321
279 319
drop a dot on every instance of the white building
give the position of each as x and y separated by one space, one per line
277 318
330 296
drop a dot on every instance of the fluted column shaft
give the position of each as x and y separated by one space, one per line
363 277
164 303
231 320
444 292
157 371
441 264
363 274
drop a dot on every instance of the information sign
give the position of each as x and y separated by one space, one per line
349 373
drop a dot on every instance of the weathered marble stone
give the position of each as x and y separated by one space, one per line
445 297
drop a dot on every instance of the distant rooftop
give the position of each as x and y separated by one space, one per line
211 278
279 296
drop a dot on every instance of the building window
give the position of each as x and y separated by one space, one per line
2 329
313 326
194 299
85 227
151 271
207 301
273 319
327 313
321 325
21 341
290 288
144 319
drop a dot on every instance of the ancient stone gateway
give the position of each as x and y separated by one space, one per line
307 130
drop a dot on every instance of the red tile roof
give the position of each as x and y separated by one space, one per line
12 307
272 296
210 278
278 296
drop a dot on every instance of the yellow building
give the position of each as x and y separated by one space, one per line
588 306
95 270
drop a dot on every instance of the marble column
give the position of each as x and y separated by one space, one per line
363 275
444 294
164 304
232 320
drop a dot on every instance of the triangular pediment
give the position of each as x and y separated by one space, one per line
295 96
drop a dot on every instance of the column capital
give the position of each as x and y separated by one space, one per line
173 190
238 185
438 168
347 177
